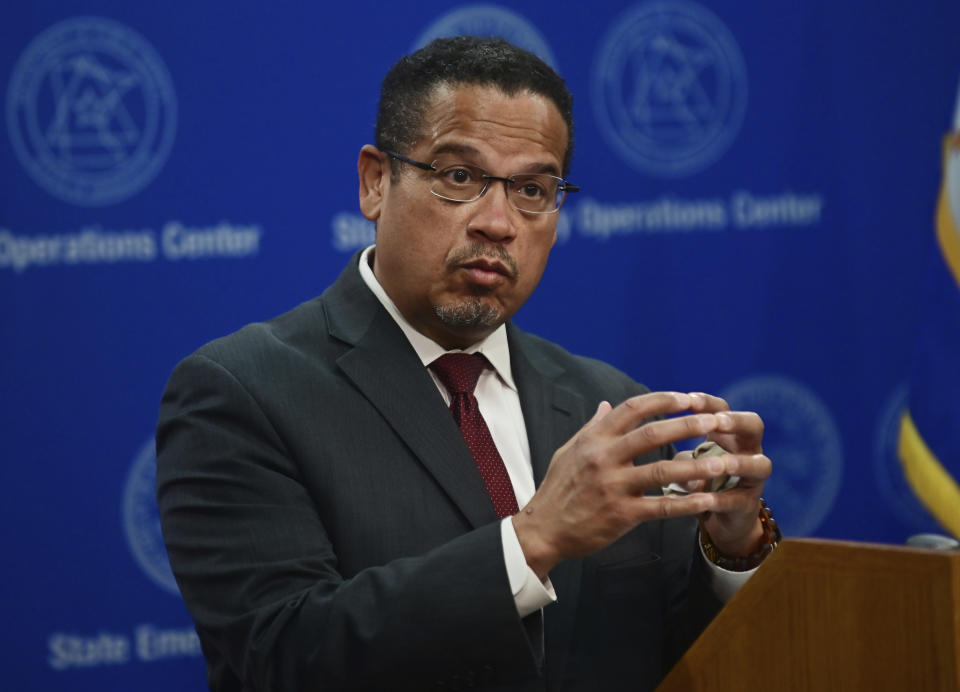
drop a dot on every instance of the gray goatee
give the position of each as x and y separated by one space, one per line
469 313
472 312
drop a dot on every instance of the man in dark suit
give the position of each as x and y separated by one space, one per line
330 525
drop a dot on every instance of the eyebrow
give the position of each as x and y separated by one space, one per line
467 150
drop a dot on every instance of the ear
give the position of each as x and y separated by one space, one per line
374 176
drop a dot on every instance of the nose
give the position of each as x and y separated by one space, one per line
494 217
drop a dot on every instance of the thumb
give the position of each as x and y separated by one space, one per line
602 410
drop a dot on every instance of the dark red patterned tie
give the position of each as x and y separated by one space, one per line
459 373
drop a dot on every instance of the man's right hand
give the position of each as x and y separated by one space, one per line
593 493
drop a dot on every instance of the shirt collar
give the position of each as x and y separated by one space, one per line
494 347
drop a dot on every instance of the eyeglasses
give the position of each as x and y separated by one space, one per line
533 193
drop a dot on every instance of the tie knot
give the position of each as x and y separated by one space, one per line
459 372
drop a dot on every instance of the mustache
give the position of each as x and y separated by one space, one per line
479 250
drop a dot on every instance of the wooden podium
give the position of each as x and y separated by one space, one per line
834 615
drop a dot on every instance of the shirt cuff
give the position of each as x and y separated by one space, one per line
529 593
724 582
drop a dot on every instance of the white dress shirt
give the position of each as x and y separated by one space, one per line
499 403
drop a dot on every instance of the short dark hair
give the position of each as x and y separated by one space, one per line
460 61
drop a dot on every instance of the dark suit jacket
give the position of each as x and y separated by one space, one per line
329 530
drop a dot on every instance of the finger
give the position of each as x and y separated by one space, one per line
649 507
747 472
660 474
637 409
602 410
701 402
751 468
654 434
738 431
740 422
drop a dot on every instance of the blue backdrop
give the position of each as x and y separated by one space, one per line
758 187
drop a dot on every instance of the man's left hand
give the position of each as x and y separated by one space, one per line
733 523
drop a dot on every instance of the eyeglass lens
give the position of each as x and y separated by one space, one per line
533 192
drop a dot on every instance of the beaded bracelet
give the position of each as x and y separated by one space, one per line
768 541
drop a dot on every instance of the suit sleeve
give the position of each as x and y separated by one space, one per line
260 576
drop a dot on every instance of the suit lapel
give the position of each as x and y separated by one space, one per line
552 414
384 367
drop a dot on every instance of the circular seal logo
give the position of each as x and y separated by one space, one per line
91 111
669 88
141 519
487 21
802 439
891 481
